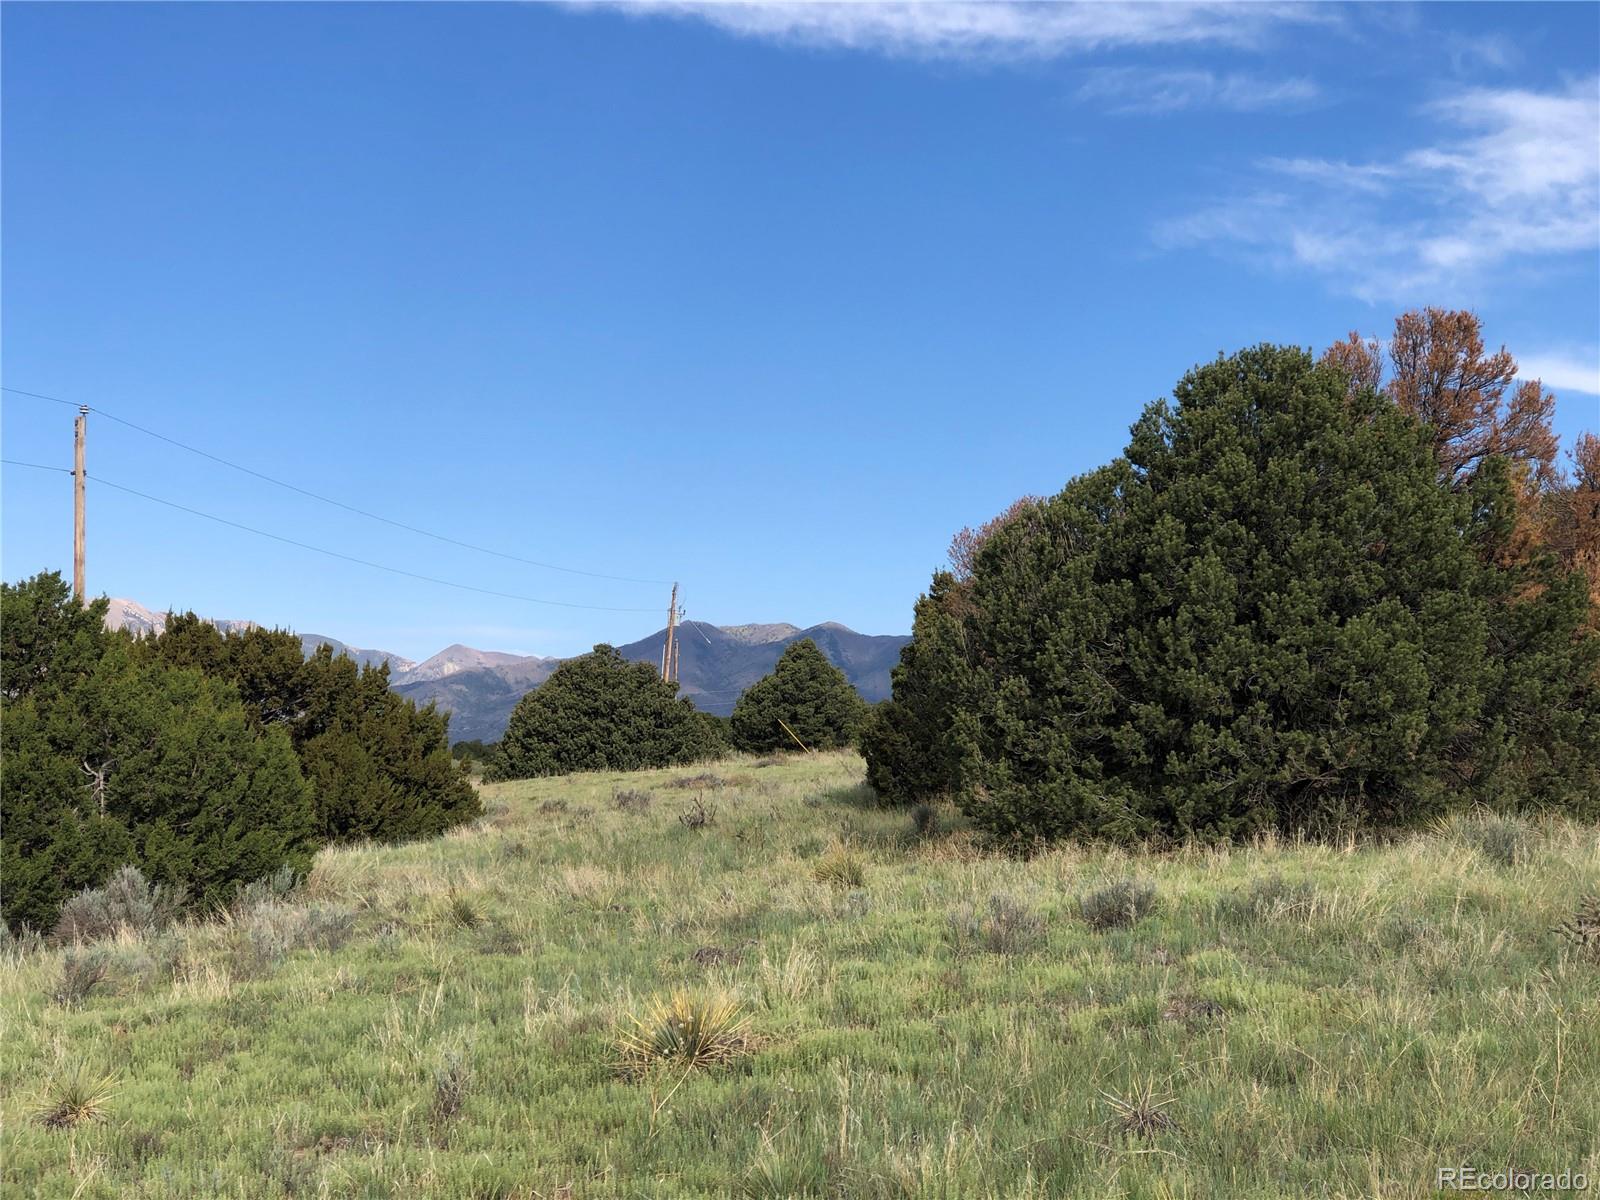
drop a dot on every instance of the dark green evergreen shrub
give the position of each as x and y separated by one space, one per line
1266 613
206 760
806 692
1269 612
112 759
472 751
599 712
909 740
47 642
380 768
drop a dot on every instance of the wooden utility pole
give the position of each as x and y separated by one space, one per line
667 660
79 588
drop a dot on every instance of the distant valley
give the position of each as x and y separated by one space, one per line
479 688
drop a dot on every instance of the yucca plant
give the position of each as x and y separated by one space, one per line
1141 1113
771 1177
74 1096
461 912
686 1030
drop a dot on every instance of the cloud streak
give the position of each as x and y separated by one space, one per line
1515 181
989 29
1563 372
1148 91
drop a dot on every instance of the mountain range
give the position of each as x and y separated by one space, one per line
479 688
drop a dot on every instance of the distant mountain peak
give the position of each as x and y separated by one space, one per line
454 659
830 626
397 665
479 688
760 635
140 621
122 613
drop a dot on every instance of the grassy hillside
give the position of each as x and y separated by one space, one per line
923 1020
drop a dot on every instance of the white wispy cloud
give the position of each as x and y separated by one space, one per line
1564 372
1145 90
1488 51
1364 177
1516 180
969 29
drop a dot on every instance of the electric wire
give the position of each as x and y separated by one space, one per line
350 508
12 462
288 541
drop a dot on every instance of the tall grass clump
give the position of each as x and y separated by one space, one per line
1126 902
273 930
82 972
791 978
452 1081
841 868
1004 926
1272 898
1502 839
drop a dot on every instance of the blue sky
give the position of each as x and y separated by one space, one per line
766 298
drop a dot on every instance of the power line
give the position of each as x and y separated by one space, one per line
360 512
466 587
13 462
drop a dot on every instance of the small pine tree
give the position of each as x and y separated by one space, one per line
599 712
806 692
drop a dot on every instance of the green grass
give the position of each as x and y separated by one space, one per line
920 1019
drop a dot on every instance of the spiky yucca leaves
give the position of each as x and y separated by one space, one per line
1141 1113
73 1096
460 912
772 1177
685 1030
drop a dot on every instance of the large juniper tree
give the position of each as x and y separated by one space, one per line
600 712
1270 611
111 758
380 767
807 693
